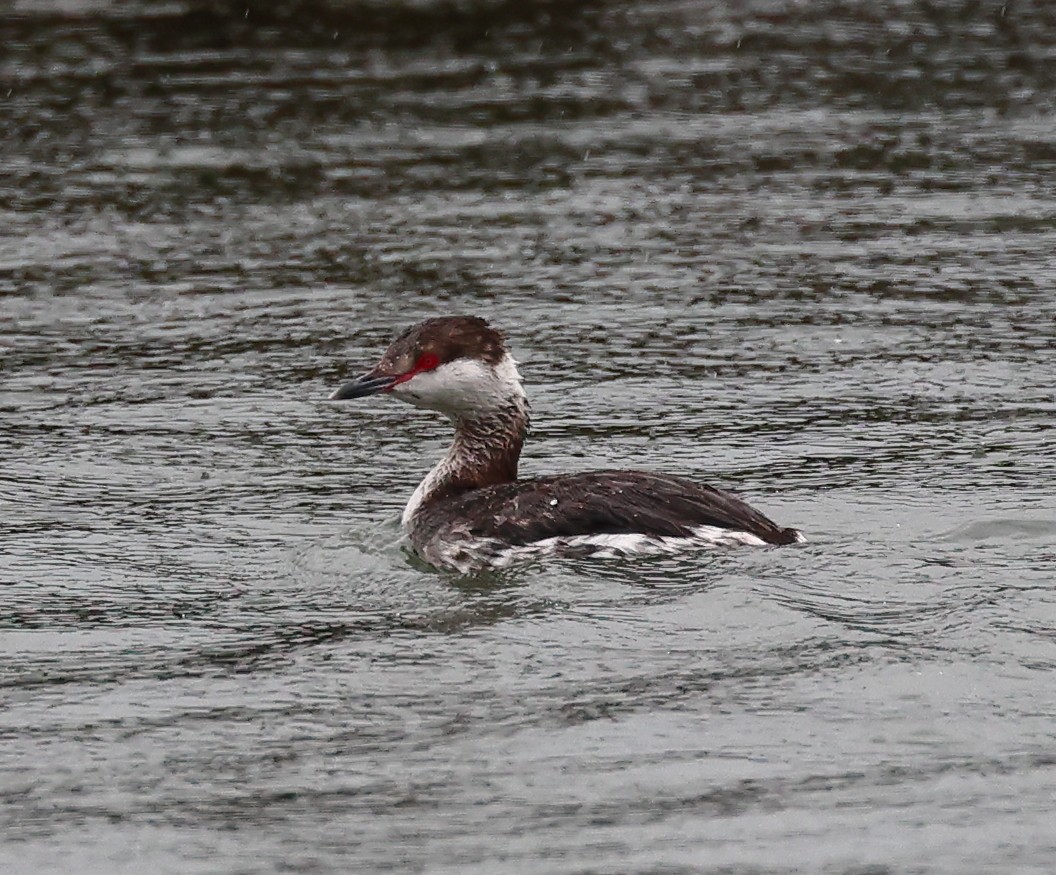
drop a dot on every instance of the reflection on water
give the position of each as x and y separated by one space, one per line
799 250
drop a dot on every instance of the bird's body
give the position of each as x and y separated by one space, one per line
593 513
472 511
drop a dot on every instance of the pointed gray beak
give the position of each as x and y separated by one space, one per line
367 384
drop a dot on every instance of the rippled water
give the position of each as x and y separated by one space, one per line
804 251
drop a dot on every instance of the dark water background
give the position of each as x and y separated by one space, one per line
802 250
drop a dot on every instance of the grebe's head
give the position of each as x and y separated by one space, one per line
458 365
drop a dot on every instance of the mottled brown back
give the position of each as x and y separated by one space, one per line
594 502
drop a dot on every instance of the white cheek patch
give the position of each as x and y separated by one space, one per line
463 386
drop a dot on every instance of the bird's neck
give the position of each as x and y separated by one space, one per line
485 452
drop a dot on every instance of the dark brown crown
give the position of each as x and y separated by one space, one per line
446 337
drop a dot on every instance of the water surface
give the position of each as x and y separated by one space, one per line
803 251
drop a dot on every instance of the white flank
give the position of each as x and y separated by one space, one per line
471 555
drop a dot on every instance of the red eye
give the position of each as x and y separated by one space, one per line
427 362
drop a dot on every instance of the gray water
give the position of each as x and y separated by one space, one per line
799 250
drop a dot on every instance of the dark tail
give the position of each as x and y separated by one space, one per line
787 536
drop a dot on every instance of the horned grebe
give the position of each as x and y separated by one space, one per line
471 511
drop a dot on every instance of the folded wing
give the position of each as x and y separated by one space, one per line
602 502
